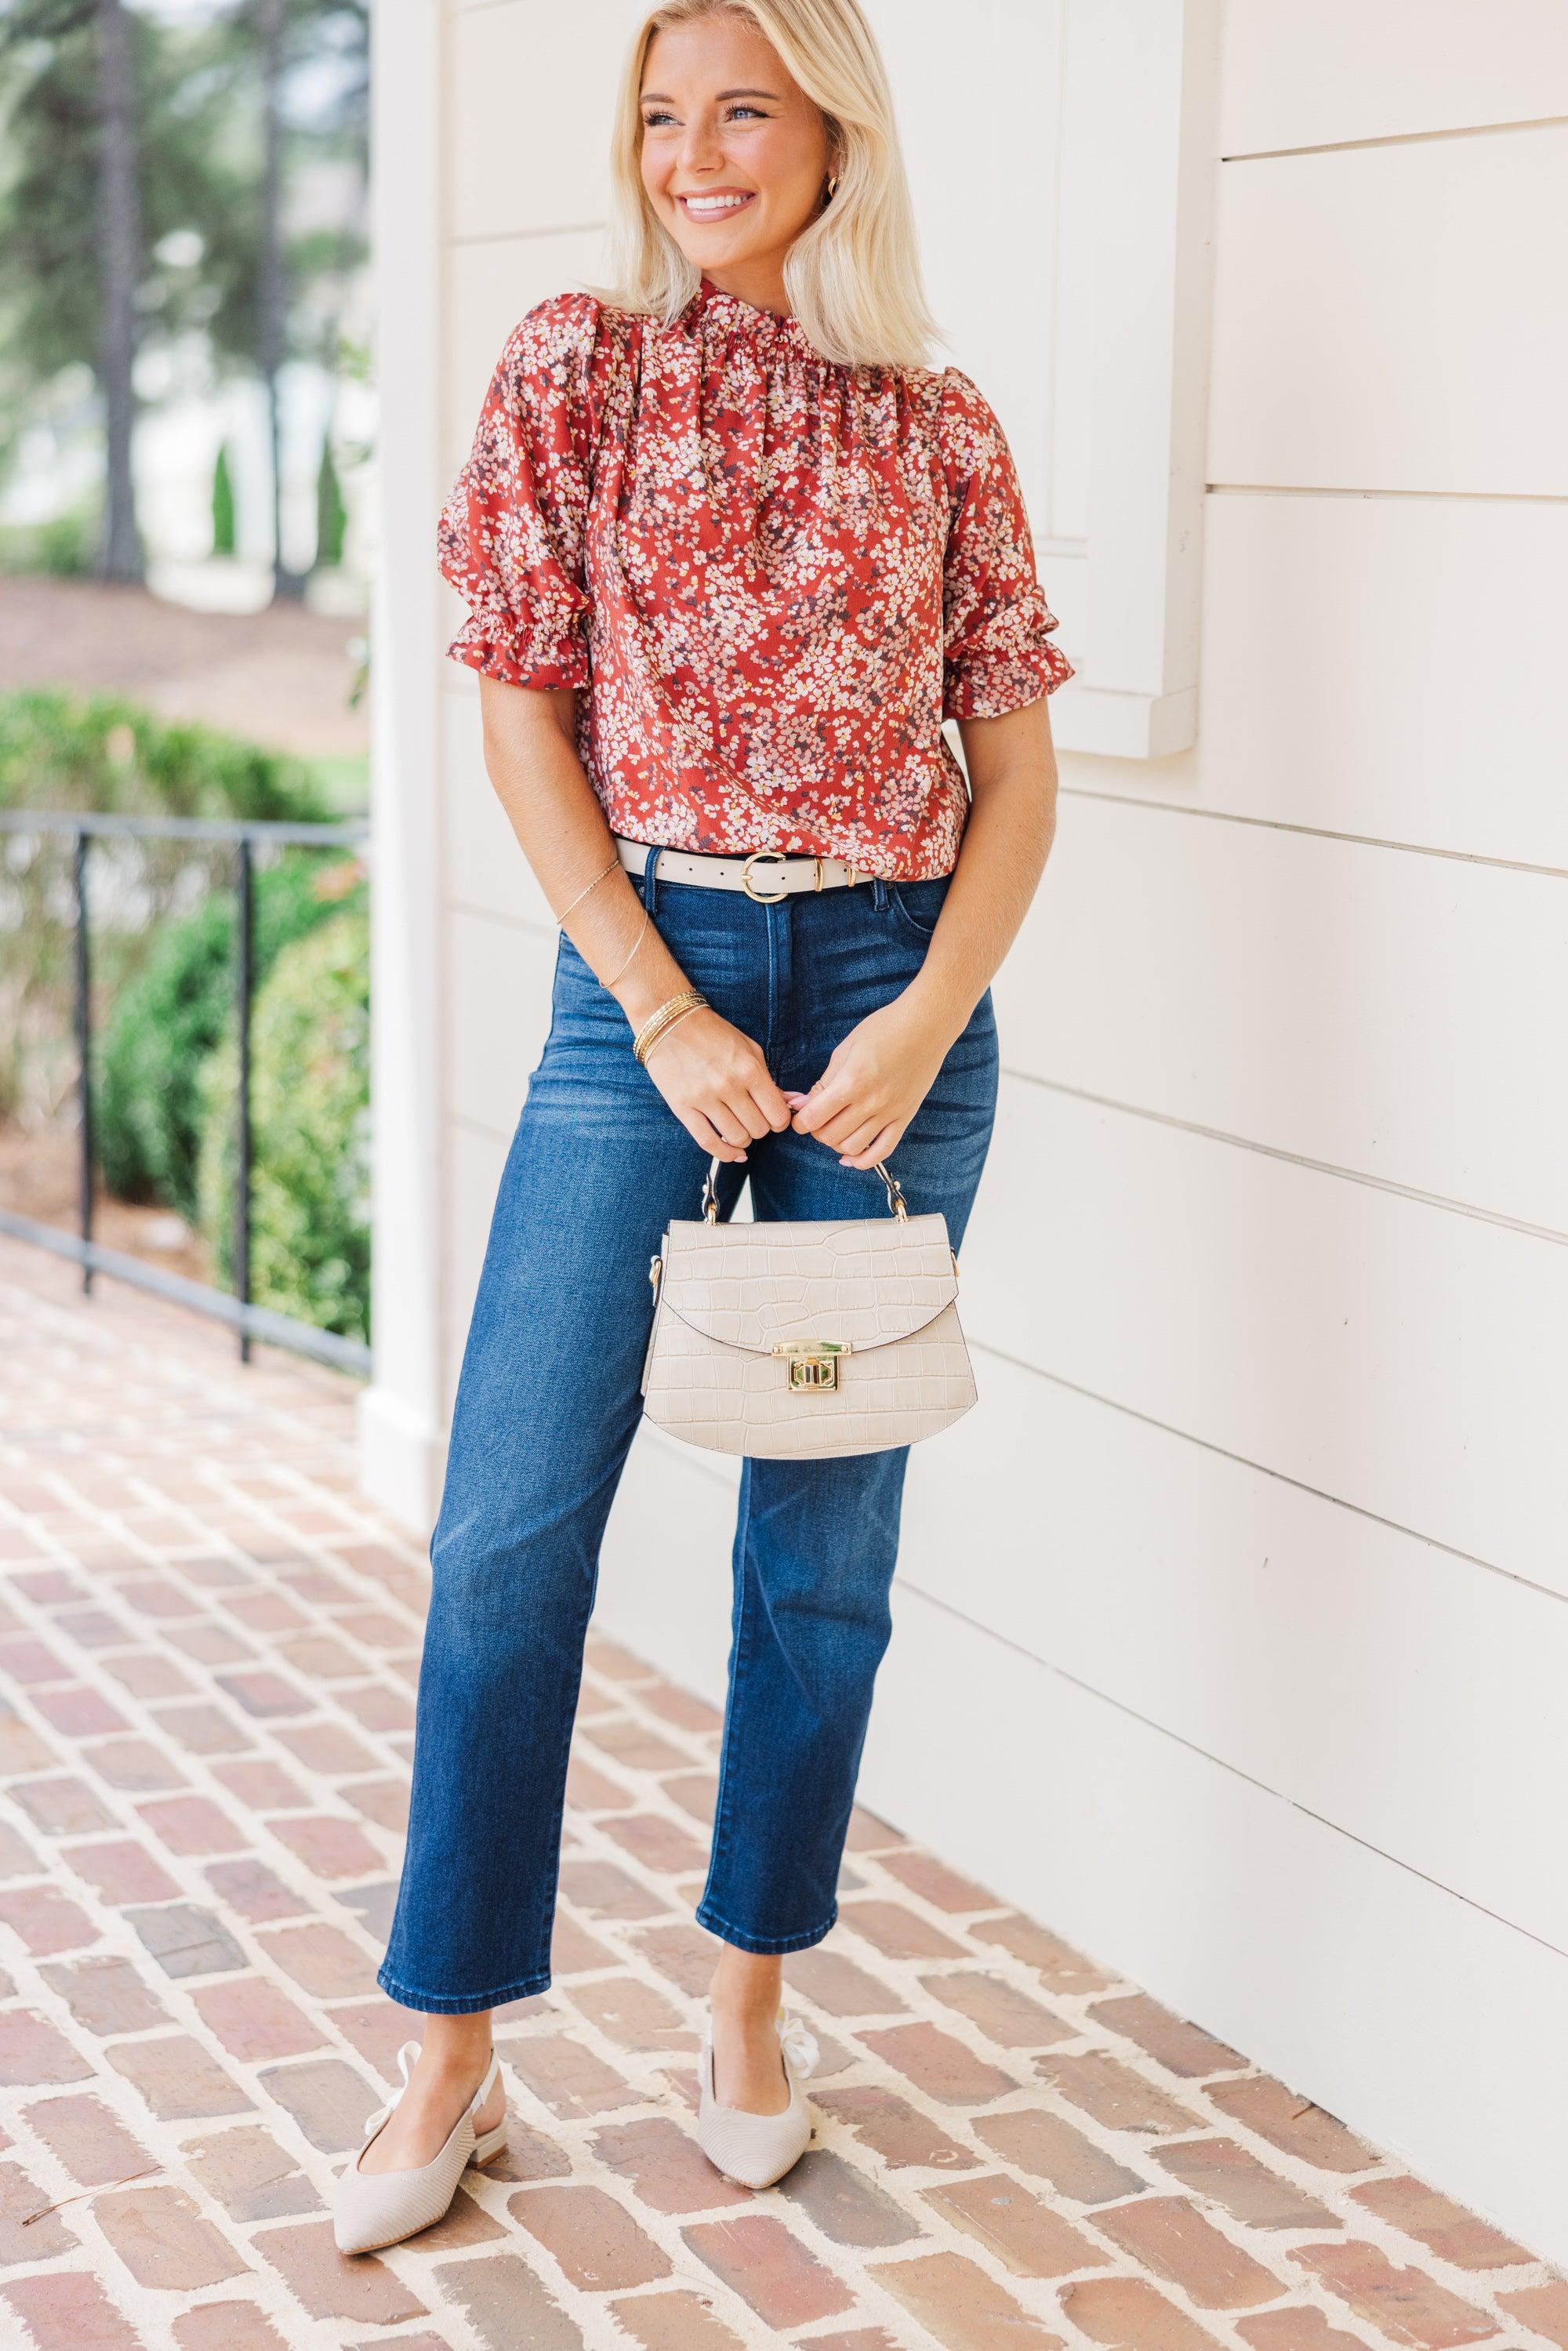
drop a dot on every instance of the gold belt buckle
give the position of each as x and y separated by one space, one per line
813 1362
762 897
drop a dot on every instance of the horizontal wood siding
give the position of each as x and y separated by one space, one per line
1311 996
1308 77
1241 1601
1396 318
1398 1356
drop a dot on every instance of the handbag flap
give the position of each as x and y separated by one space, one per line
866 1281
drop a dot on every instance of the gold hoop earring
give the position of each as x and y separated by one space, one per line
833 185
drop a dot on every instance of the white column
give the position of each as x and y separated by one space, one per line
401 1436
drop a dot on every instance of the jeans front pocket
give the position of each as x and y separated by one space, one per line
920 902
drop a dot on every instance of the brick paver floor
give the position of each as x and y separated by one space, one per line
208 1645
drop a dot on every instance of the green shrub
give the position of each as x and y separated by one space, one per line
171 1015
310 1240
106 756
65 546
64 751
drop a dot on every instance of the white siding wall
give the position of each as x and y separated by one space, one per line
1241 1604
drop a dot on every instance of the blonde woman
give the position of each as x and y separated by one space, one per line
732 549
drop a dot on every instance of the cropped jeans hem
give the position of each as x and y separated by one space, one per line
764 1946
430 2003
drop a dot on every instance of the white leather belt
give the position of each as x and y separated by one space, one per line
766 876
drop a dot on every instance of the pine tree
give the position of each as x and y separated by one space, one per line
73 236
332 515
222 504
107 152
120 253
272 272
278 31
120 126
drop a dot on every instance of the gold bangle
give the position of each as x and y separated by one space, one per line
635 945
585 889
672 1022
671 1010
658 1021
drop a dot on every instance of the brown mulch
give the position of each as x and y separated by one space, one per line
39 1178
280 677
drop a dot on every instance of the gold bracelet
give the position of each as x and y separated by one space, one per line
688 1000
635 945
673 1009
672 1022
585 889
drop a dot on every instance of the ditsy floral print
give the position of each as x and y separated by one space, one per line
772 576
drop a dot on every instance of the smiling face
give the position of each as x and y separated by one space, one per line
735 154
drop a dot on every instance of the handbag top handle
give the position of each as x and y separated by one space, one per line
895 1201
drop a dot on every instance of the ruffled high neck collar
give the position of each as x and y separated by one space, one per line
767 332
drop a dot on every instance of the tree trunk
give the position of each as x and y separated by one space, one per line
120 272
271 276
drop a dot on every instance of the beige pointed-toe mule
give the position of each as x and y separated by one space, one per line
373 2210
755 2150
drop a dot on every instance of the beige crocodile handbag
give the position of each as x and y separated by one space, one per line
793 1341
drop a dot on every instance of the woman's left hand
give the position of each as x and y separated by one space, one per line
876 1080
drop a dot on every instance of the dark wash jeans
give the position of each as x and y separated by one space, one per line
546 1407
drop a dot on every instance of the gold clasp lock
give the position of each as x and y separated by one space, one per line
762 897
813 1362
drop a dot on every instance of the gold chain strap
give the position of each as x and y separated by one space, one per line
585 889
635 945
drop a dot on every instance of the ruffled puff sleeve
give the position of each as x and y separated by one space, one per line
510 539
996 624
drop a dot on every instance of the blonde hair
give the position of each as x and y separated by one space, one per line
852 275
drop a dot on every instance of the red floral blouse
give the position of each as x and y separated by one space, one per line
773 576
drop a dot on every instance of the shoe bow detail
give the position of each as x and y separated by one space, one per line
407 2059
373 2210
758 2149
800 2045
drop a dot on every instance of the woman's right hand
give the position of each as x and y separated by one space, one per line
715 1081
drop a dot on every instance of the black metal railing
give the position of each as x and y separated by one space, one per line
248 1321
